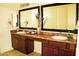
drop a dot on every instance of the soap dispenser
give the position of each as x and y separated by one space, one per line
69 36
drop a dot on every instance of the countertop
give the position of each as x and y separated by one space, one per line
41 37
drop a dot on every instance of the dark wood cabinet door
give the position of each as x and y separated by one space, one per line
57 44
69 52
49 51
46 51
14 42
57 49
61 52
21 45
54 51
18 43
66 52
30 46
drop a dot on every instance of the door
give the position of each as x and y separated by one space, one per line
21 44
14 41
30 45
49 51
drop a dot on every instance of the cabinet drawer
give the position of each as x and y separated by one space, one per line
69 52
45 43
66 52
71 46
49 51
57 44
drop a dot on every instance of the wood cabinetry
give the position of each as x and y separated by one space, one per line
22 43
54 48
50 47
70 49
30 45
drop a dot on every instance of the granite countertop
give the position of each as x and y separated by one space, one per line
42 36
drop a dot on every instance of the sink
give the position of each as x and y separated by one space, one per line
21 32
59 37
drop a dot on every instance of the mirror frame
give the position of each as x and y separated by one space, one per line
19 22
58 4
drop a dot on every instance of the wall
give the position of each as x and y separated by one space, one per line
5 37
77 49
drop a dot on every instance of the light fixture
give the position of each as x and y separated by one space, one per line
24 5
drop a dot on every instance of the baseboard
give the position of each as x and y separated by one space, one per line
3 51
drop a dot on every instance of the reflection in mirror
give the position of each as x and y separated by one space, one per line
28 18
62 17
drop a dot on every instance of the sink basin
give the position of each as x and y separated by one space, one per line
20 32
59 37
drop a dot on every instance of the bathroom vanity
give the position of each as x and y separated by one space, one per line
55 18
24 42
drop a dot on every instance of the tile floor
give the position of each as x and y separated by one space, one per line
17 53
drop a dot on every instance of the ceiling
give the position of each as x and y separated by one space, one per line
15 6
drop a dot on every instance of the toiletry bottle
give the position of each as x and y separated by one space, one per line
69 35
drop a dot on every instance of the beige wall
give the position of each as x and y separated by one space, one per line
31 5
5 37
77 49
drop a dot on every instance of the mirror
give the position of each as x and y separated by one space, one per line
59 17
28 18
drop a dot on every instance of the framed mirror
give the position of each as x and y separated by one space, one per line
27 18
59 17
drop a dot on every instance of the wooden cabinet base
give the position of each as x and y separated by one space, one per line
56 50
25 44
22 44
